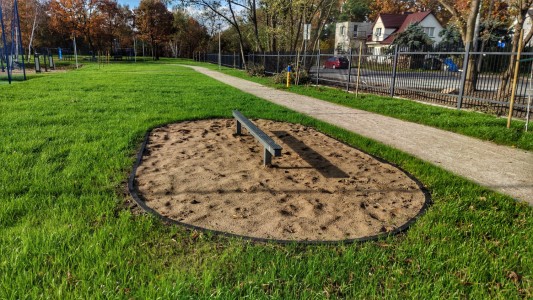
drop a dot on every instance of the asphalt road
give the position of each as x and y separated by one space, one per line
430 80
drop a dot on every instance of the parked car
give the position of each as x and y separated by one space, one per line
432 63
336 62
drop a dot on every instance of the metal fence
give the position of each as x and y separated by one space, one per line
435 77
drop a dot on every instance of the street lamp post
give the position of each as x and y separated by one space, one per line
219 49
75 50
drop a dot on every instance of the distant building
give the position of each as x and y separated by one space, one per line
347 33
387 26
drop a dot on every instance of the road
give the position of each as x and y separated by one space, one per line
429 80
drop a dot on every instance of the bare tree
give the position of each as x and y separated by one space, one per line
228 13
518 10
466 23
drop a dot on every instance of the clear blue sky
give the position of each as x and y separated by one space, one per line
131 3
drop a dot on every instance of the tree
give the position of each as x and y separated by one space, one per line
464 15
75 18
154 22
229 14
104 23
389 7
189 36
450 38
31 18
518 11
413 37
355 10
67 17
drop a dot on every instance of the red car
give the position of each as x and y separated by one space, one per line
336 63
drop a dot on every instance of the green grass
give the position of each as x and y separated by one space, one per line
479 125
68 141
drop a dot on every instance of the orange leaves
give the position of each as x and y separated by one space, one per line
67 16
154 21
98 22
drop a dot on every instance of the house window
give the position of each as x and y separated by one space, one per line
378 31
430 31
354 28
343 29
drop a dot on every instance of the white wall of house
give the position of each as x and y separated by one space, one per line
430 24
350 31
432 28
379 31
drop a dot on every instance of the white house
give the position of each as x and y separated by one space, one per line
346 32
387 26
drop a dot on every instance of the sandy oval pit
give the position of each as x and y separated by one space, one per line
320 189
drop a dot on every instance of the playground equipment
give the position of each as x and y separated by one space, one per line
12 52
44 58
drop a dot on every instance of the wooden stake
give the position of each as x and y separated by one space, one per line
515 78
358 69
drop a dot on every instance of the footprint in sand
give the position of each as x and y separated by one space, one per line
293 201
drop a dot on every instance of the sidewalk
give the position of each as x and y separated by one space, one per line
500 168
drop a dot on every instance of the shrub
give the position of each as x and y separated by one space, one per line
281 78
256 70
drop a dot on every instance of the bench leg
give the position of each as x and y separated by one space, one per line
267 159
239 128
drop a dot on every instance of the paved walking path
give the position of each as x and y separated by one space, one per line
500 168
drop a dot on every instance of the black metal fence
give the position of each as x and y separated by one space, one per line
435 77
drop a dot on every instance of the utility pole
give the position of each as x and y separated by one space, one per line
219 25
135 48
75 51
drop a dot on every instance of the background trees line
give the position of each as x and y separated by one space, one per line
247 25
105 25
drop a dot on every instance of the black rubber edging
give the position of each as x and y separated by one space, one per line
134 191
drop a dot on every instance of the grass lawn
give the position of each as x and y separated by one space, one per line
474 124
68 141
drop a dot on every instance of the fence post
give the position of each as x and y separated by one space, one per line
277 63
463 77
349 70
318 64
394 67
264 61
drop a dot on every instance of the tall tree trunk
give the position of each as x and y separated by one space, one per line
31 36
234 22
274 38
253 13
505 85
297 35
471 74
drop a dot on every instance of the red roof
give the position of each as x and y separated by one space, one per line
413 18
400 22
392 20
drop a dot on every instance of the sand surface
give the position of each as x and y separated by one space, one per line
200 173
501 168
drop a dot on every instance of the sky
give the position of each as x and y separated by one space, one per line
131 3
